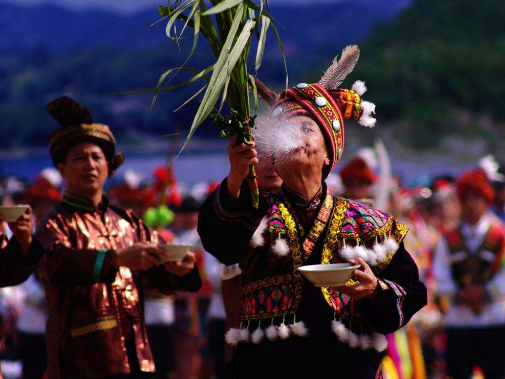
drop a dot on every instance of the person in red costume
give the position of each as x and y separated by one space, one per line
468 267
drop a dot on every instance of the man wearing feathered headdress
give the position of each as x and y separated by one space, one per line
468 268
288 326
96 254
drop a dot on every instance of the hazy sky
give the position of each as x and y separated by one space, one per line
130 5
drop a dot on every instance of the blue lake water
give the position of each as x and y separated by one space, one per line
192 168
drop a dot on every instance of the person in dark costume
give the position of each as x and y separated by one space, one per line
289 327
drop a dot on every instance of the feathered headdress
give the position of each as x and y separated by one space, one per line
325 102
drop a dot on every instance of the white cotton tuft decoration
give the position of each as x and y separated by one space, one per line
229 272
380 252
272 333
232 336
391 246
366 118
365 342
353 340
372 258
361 252
257 238
244 335
280 247
283 331
347 252
380 343
257 336
53 176
359 87
340 331
300 329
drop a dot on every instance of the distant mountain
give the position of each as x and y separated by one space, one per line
48 51
438 70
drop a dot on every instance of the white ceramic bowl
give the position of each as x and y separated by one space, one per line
176 251
13 212
329 275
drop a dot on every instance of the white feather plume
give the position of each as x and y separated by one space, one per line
491 167
340 68
257 336
53 176
300 329
366 118
232 336
280 247
359 87
272 333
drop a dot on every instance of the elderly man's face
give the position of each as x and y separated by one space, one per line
310 156
85 169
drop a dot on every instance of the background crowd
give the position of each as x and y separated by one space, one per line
186 331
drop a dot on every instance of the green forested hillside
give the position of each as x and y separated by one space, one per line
438 70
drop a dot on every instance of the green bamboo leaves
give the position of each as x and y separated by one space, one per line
228 27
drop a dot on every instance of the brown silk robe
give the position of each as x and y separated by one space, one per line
96 317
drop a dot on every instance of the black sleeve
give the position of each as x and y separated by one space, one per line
15 267
406 294
226 226
167 282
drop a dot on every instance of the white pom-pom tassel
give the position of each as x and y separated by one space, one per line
257 238
300 329
280 247
340 331
229 272
272 333
359 87
353 340
380 343
365 342
361 252
257 336
244 335
372 258
232 336
380 252
366 118
347 252
283 331
391 246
